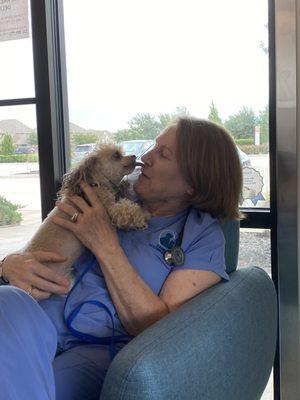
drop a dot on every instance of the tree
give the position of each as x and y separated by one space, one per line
214 114
124 134
141 126
144 126
7 146
32 139
147 126
242 125
82 138
263 121
167 119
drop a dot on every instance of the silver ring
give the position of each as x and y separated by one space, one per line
74 217
30 291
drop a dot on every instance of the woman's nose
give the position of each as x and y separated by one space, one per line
146 158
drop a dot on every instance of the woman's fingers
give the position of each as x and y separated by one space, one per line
80 203
36 267
70 225
43 256
27 271
39 294
90 194
44 281
66 208
49 280
34 273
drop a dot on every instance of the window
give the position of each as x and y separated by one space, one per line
20 201
135 65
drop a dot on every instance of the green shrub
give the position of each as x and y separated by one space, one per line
82 138
7 146
9 158
243 141
8 212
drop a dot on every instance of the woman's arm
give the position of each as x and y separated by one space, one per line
137 306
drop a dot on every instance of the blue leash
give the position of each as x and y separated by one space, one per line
85 337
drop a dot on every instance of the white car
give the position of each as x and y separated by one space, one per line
244 158
136 147
81 150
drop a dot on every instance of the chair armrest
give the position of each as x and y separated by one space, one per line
219 345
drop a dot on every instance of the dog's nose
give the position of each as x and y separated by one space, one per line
133 157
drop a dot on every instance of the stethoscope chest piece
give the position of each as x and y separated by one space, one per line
175 256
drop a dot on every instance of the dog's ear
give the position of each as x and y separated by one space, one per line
71 183
84 172
89 169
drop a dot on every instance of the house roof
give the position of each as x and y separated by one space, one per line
13 126
19 138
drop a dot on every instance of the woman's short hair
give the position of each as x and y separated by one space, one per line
209 161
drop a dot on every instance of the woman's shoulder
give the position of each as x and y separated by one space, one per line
202 219
202 224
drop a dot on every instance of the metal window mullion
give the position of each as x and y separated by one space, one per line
256 218
51 96
17 102
287 65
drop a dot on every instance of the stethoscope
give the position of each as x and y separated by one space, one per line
174 256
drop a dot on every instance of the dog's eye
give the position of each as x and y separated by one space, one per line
117 155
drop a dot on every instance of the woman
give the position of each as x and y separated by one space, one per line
190 180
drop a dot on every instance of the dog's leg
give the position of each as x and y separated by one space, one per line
128 215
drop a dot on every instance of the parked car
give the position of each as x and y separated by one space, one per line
244 158
81 150
136 147
25 150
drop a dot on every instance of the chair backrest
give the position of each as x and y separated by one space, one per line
231 230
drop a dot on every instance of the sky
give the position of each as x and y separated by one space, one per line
136 56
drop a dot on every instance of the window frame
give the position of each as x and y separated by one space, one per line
51 100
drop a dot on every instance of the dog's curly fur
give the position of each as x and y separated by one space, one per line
103 169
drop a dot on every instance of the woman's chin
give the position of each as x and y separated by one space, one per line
139 187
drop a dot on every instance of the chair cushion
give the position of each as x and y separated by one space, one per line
219 345
231 230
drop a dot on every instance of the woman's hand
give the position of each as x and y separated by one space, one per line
92 226
26 271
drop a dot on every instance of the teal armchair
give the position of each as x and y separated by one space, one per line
218 346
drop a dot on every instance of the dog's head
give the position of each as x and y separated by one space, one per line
105 165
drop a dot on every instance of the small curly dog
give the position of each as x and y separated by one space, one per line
103 169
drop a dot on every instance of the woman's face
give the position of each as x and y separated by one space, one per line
160 179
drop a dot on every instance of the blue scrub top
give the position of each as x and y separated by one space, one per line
203 244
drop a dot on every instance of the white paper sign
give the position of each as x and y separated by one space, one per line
252 183
14 23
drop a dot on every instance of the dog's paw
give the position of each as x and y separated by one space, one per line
141 220
141 226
